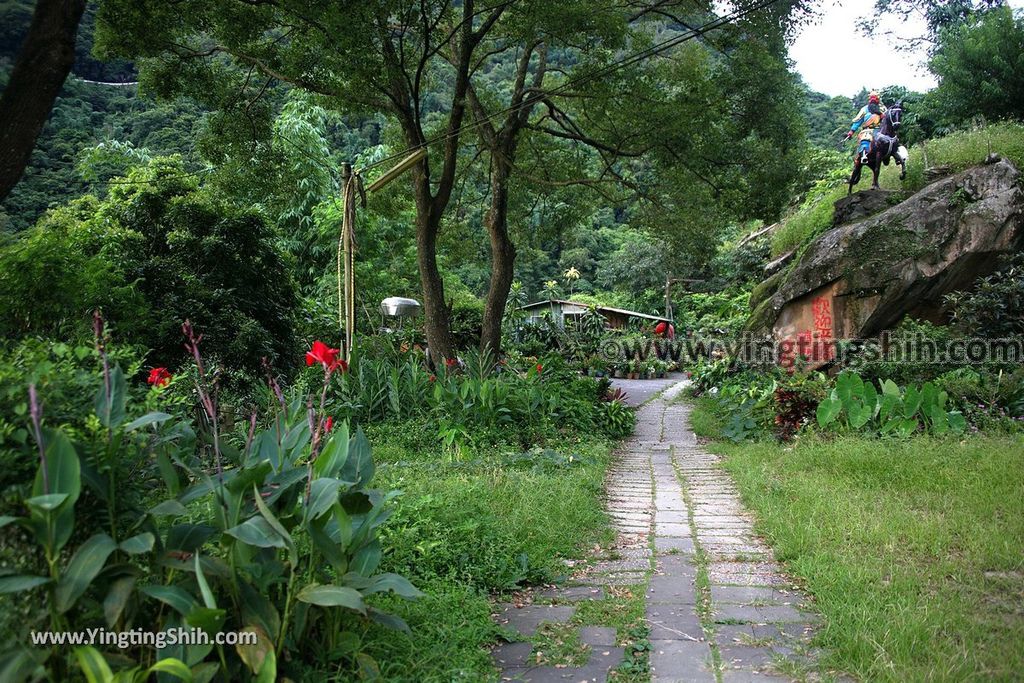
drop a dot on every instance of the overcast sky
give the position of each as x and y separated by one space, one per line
833 57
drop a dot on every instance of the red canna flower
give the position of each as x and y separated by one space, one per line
451 362
540 368
159 377
433 378
329 424
326 356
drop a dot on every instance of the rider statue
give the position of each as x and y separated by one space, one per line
867 121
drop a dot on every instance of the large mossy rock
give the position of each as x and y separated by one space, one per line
861 278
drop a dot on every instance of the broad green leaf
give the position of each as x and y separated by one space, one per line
205 672
85 564
136 545
297 438
367 559
957 422
117 597
204 588
63 471
359 465
168 508
911 401
332 596
395 583
871 399
389 620
110 407
323 494
174 667
907 427
6 519
147 419
176 597
256 531
254 655
21 582
828 410
247 476
888 405
188 537
209 619
937 417
258 610
18 665
330 548
268 450
335 452
272 520
268 672
929 397
890 388
848 386
47 502
93 665
891 425
859 414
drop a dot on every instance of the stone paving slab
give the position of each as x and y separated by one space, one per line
668 498
681 660
527 619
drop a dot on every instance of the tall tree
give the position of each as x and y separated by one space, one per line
43 63
980 65
410 58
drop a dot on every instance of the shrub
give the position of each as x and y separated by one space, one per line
155 251
276 537
855 405
994 307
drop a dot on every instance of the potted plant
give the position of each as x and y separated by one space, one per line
617 370
649 370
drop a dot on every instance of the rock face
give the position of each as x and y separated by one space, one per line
861 205
861 278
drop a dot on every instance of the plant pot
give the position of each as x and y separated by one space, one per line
618 374
599 373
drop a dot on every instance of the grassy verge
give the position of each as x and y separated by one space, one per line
465 530
912 549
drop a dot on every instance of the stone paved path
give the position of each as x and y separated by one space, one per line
717 605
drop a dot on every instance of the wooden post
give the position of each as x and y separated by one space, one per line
346 274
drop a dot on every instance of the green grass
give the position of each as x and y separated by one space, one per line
466 531
912 549
958 151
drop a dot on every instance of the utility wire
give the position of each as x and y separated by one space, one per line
647 53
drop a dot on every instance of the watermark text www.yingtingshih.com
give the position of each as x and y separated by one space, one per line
811 348
138 637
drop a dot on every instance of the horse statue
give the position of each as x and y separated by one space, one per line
885 146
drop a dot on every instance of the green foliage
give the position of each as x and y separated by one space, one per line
278 537
155 252
992 39
479 401
990 400
994 307
856 405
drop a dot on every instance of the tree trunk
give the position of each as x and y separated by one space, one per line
436 317
503 256
42 65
